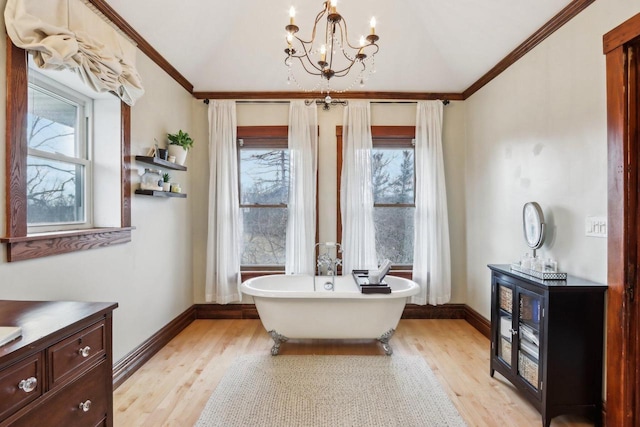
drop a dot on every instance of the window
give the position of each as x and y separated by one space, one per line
263 180
72 160
393 178
59 168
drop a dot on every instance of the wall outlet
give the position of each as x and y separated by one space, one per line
596 226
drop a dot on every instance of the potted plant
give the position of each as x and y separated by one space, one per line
166 184
179 145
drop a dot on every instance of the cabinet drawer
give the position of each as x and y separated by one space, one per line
70 356
17 385
64 407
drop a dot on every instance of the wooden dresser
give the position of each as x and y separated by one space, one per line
59 373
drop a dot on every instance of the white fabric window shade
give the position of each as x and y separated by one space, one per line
301 225
68 34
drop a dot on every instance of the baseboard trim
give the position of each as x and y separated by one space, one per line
411 311
226 311
130 363
133 361
478 321
445 311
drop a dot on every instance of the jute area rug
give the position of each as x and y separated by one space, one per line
329 391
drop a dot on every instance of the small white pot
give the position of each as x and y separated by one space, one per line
166 186
179 152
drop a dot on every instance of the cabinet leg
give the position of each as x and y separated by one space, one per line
597 416
491 372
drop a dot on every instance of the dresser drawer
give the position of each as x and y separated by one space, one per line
20 384
70 356
64 407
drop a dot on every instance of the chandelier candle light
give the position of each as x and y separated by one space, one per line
332 55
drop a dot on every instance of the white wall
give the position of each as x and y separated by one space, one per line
381 114
150 277
538 133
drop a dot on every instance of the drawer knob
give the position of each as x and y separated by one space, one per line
28 385
85 406
84 352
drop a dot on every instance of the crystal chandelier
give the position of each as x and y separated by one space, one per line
331 54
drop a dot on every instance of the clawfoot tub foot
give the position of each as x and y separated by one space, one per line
277 340
384 339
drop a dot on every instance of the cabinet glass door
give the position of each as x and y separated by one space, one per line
529 318
505 325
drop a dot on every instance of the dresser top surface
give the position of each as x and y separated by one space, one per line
570 283
40 319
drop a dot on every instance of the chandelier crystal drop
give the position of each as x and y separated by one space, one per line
330 54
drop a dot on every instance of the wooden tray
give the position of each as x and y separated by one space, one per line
362 280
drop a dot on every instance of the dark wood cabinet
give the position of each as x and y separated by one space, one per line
547 340
59 372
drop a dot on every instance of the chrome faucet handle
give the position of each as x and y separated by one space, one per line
337 262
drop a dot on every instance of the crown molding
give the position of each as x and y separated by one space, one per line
409 96
143 45
564 16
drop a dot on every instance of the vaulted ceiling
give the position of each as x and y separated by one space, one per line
432 46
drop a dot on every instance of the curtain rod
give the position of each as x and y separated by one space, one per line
206 101
444 102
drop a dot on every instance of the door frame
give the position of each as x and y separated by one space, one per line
622 261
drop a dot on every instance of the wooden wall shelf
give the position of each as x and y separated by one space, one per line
155 193
161 163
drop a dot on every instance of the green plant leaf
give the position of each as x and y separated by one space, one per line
181 138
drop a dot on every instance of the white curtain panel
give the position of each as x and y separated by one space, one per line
301 224
225 226
356 200
69 34
431 252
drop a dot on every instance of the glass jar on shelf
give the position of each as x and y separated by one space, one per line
151 180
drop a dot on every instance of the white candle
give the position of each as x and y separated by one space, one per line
292 15
373 25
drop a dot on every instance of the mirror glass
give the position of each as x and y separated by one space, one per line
533 224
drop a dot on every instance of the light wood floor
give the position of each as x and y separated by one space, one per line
173 387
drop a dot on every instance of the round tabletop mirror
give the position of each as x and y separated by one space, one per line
533 225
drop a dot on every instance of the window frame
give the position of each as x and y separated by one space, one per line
20 244
84 157
260 137
394 137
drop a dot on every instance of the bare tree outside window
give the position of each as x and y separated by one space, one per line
393 195
56 162
264 194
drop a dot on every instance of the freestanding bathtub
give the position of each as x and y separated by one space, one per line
289 307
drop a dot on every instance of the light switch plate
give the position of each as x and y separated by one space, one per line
596 226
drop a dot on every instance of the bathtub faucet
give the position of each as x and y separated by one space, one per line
326 264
